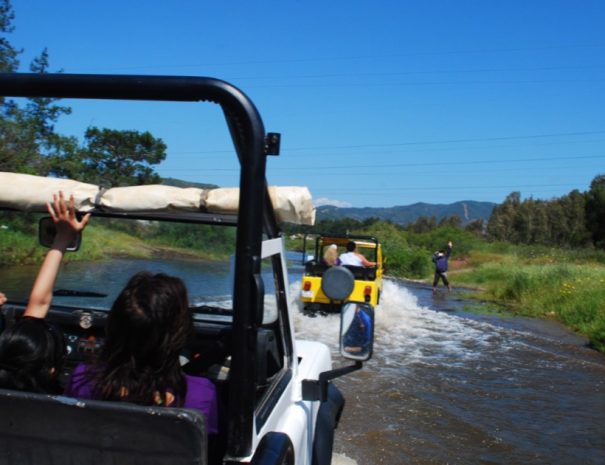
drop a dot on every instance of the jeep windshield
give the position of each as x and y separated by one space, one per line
114 248
185 232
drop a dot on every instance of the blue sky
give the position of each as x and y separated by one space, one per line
379 103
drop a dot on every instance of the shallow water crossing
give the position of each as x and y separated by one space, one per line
446 386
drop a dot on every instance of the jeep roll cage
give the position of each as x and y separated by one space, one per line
255 216
318 240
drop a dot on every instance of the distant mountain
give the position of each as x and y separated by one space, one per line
467 210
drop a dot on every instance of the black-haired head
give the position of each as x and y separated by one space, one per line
32 353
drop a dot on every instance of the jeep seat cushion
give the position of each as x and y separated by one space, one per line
43 430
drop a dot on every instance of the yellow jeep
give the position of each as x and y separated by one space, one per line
326 287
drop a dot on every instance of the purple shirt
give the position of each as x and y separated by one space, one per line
201 394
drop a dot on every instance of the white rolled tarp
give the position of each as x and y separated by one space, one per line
292 204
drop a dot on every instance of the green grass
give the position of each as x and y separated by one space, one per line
18 247
539 281
574 294
98 243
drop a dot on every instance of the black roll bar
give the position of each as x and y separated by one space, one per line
252 146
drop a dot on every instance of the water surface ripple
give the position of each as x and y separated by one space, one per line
450 387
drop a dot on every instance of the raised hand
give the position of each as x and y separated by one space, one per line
68 226
64 216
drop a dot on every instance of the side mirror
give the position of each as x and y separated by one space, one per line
47 232
356 331
356 342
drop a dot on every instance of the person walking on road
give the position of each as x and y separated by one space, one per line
440 259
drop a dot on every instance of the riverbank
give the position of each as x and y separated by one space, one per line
100 242
539 287
565 285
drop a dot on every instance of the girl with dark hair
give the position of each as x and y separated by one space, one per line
31 356
147 328
32 351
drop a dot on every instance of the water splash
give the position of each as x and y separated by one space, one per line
425 335
408 333
320 328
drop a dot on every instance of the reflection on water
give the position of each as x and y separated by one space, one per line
210 280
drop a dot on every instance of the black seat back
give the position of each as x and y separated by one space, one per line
313 268
42 430
363 273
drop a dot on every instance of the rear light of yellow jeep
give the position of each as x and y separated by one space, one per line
367 293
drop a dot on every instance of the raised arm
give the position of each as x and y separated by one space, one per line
68 226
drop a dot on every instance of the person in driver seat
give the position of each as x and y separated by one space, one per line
354 258
32 351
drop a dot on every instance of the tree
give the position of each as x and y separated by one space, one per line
477 227
117 158
423 224
8 58
559 232
38 119
500 225
8 54
453 220
595 210
17 146
575 206
42 111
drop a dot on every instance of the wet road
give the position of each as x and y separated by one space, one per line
447 386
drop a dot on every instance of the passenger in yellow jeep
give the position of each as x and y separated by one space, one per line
32 351
354 258
331 255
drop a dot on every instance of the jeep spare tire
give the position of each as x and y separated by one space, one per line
337 282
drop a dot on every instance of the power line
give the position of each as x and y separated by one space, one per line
441 163
457 141
425 142
381 190
411 73
433 83
316 167
356 57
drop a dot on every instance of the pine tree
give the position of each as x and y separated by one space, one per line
8 54
595 210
